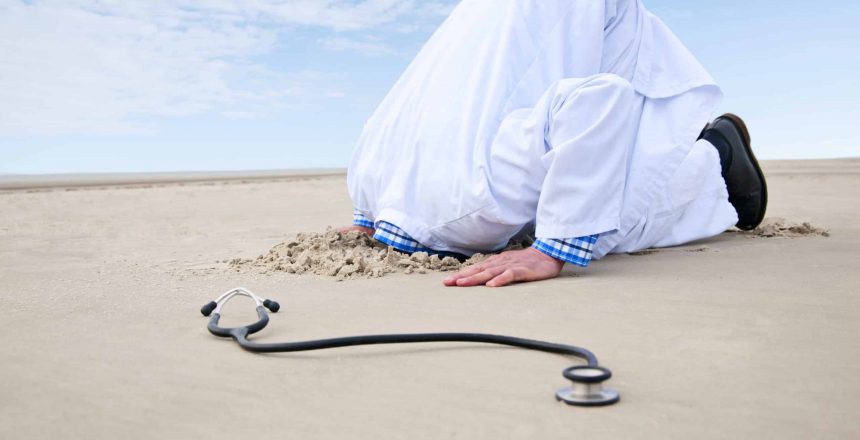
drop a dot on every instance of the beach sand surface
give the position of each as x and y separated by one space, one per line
731 337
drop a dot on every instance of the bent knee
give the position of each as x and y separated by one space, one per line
611 81
608 84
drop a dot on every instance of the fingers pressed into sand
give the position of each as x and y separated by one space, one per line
508 276
508 267
481 277
469 271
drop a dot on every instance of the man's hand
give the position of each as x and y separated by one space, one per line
506 268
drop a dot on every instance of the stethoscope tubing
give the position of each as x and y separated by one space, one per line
586 380
240 335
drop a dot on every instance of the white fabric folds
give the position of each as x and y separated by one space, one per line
568 116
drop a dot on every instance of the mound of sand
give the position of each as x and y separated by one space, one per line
356 255
779 227
346 255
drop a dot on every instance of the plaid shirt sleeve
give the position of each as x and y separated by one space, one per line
390 234
359 219
578 250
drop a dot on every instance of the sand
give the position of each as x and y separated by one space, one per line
738 336
342 255
349 255
354 254
780 227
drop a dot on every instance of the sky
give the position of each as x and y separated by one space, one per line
180 85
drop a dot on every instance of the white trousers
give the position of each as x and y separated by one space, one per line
569 155
571 117
695 205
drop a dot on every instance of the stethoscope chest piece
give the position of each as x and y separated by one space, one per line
587 387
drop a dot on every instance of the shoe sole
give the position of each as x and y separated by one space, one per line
739 123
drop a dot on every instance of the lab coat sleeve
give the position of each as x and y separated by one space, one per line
590 133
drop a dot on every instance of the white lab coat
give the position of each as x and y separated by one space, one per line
567 117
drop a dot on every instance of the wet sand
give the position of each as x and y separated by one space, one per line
731 337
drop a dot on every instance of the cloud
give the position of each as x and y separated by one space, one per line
351 16
369 48
117 66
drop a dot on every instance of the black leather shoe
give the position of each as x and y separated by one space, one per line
741 171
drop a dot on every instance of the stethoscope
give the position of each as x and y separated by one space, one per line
586 380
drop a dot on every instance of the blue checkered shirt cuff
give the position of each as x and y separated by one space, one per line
390 234
576 251
398 239
360 219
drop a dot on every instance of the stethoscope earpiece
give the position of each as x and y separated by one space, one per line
273 306
215 306
207 309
